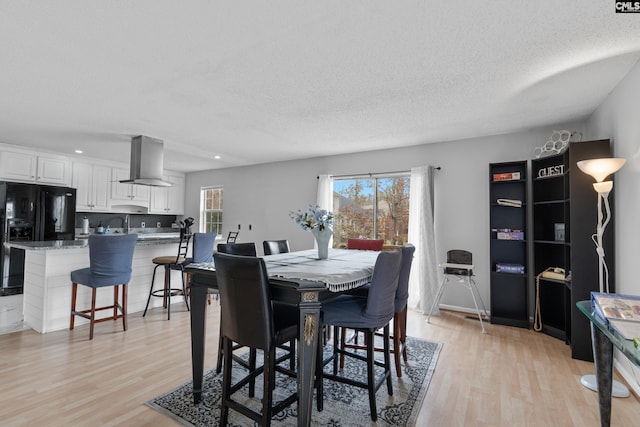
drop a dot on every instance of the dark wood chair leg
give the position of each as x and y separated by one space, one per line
402 321
116 301
74 293
92 320
220 352
371 375
252 367
387 360
343 333
125 290
226 382
396 344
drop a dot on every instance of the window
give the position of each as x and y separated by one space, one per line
371 208
211 209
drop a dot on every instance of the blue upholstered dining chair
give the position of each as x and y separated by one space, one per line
201 251
400 309
365 315
399 336
110 259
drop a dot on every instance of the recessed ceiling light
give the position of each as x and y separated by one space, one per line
216 157
78 151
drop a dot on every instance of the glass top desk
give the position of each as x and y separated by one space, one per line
604 339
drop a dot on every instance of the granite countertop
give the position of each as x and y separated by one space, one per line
143 240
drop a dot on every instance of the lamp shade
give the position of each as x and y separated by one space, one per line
601 168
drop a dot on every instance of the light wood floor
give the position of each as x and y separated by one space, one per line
508 377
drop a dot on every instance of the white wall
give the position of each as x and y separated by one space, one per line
263 195
617 118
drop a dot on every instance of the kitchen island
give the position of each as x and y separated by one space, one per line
47 283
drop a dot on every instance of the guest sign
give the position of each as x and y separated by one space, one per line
550 171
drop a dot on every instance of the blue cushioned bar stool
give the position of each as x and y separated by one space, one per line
110 259
399 336
365 315
202 251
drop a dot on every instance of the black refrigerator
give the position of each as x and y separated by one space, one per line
31 212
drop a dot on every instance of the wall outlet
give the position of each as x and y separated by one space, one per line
142 224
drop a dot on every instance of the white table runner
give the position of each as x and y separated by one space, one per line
344 269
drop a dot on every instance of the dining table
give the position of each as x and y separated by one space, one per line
300 278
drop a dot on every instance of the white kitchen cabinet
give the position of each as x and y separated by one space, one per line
168 200
28 167
92 183
127 194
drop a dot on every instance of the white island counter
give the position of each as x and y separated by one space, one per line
47 284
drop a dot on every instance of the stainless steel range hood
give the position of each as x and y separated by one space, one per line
147 159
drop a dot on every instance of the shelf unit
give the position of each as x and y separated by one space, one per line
509 291
562 194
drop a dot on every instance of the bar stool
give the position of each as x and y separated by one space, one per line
459 267
169 263
110 260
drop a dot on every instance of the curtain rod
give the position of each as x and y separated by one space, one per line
371 174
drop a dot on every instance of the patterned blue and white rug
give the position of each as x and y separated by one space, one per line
344 405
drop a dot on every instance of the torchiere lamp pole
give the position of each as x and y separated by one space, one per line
600 169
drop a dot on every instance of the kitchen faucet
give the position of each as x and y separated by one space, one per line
126 224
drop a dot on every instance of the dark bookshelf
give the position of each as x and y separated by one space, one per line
562 194
508 290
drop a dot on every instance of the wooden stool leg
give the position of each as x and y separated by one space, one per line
402 322
124 306
396 344
115 302
343 333
92 320
74 293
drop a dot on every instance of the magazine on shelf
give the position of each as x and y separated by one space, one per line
622 312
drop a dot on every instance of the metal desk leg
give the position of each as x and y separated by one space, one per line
198 322
307 347
603 355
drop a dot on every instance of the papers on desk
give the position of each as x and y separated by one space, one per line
622 312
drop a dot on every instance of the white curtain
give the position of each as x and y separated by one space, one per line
324 198
423 282
325 192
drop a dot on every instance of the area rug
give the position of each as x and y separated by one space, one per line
344 405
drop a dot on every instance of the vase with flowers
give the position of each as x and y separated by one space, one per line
320 223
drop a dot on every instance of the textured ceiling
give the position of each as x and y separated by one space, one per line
255 81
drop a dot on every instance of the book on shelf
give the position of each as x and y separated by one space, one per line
509 202
508 234
509 268
508 176
622 312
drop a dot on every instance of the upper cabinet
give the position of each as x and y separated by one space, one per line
168 200
27 167
127 194
92 183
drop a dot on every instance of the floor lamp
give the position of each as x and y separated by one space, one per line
600 169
